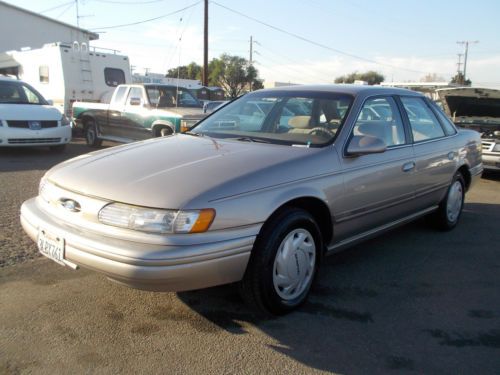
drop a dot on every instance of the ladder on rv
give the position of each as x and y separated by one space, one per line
87 84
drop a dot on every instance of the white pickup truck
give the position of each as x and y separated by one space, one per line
136 112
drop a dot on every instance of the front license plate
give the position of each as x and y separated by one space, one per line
51 246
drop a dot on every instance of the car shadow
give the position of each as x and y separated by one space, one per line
409 300
491 175
40 158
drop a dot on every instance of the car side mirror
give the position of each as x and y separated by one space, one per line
364 145
50 101
135 101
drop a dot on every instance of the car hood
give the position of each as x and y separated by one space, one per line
465 103
24 112
185 112
184 171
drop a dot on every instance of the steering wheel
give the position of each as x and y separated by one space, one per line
322 132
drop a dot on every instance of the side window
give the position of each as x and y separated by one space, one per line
114 77
135 92
424 124
31 96
120 94
43 71
448 126
380 118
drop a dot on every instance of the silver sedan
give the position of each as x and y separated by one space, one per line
257 197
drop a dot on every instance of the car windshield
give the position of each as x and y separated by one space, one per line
171 96
19 93
280 117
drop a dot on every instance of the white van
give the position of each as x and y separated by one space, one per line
27 119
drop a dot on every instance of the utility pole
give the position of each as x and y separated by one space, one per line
466 44
205 48
251 50
77 14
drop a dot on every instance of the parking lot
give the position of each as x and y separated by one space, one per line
412 301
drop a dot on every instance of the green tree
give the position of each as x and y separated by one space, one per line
372 77
191 71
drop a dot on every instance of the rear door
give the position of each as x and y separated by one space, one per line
378 187
435 151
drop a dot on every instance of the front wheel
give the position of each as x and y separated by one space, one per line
284 263
91 137
450 208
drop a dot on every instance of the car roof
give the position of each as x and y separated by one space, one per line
354 90
9 79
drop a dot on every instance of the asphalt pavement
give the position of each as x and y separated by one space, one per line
414 300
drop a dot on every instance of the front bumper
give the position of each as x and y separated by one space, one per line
15 137
491 161
148 266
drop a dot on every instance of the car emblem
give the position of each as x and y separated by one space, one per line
35 125
70 204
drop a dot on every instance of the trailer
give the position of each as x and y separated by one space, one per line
69 72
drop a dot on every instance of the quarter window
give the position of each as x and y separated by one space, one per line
135 92
424 124
380 118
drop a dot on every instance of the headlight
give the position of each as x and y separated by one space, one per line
156 220
65 121
496 148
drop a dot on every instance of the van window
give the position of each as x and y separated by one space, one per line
43 71
114 77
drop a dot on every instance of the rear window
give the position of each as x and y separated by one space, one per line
114 77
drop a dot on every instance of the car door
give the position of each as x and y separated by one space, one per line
378 187
114 122
435 151
134 115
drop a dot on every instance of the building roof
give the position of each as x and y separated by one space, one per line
92 36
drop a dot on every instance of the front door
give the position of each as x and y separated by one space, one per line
378 188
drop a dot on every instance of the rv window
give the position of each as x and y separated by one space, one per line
114 77
44 73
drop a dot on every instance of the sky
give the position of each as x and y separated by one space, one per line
298 41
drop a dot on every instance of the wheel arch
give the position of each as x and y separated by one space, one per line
465 172
159 124
317 208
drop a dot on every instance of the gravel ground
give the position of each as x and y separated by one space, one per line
411 301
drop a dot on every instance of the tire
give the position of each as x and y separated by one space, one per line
450 209
163 132
91 137
58 148
272 272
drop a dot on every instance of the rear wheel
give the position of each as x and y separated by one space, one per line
284 263
163 131
91 134
450 208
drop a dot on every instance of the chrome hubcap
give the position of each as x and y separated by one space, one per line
294 264
455 201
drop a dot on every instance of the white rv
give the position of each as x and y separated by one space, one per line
68 72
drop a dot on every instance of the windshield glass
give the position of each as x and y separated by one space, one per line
281 117
170 96
19 93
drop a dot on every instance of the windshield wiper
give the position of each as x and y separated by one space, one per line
193 134
252 139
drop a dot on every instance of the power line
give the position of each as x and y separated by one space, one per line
316 43
57 7
65 10
148 20
129 2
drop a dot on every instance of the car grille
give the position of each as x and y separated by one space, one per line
488 146
26 125
20 141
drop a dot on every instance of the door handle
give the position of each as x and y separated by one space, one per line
407 167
